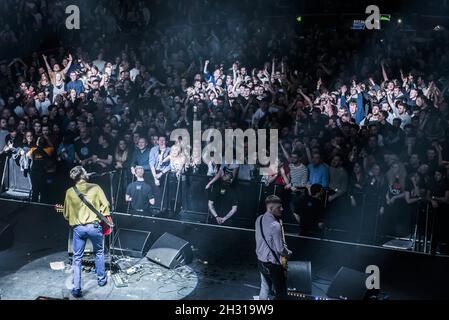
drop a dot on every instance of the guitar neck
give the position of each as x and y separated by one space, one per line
283 259
282 230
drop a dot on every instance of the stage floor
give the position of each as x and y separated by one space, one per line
40 237
199 280
223 267
151 282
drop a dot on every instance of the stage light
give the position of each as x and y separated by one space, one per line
299 18
399 21
385 17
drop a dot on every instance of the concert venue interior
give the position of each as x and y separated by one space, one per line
349 98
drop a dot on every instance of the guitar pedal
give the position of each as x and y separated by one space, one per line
118 281
133 269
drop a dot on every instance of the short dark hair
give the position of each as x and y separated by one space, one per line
442 171
273 199
105 137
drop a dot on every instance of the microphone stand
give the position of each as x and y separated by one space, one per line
117 193
129 202
112 206
111 176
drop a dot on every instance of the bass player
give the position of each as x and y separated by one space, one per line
271 250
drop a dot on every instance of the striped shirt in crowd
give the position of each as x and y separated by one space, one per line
299 175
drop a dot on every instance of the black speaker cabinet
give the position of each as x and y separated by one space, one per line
170 251
348 284
132 243
299 277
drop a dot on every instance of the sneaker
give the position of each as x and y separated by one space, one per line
103 283
76 293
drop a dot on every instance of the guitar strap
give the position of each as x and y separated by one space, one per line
266 242
91 207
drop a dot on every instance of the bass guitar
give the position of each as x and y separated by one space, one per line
284 261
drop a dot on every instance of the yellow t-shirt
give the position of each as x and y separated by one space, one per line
76 212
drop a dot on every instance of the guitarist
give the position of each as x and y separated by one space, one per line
271 250
86 225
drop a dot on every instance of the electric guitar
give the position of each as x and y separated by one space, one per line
106 225
284 261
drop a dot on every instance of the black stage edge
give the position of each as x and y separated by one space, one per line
403 275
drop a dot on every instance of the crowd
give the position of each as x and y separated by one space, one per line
362 118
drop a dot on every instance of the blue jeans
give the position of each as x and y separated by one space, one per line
94 233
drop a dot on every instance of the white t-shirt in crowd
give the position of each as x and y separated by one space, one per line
100 64
42 106
133 73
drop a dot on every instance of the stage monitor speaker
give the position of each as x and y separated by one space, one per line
88 249
170 251
348 284
132 243
299 277
6 235
14 184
